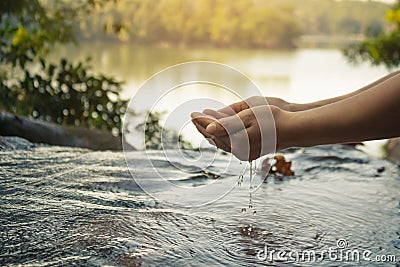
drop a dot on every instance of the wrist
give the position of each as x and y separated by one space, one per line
283 125
295 129
316 126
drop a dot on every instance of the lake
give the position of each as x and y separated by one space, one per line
301 75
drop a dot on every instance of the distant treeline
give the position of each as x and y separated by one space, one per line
337 17
227 23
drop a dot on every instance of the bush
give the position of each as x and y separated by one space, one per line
65 93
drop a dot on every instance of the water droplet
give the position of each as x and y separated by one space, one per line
252 169
240 180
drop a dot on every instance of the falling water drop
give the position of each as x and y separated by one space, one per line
251 188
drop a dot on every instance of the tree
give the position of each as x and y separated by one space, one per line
381 48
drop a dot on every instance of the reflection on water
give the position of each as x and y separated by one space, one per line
78 207
301 75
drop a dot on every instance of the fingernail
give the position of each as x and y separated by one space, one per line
211 128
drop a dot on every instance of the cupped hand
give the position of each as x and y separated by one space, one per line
247 134
250 102
201 121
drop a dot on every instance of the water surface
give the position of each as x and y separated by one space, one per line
78 207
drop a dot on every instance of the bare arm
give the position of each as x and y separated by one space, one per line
284 105
302 107
373 113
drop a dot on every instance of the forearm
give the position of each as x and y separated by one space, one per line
301 107
371 114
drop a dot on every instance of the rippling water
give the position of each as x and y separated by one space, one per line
78 207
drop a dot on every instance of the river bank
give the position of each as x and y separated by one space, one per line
54 134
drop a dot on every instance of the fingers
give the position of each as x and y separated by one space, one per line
222 143
228 133
238 144
237 107
241 133
201 129
215 113
231 124
201 121
234 108
214 127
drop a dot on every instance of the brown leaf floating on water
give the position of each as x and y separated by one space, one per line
281 166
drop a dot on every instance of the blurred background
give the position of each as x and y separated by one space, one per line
77 63
67 71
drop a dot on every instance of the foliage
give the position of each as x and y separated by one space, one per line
226 23
380 49
185 22
28 29
65 93
331 17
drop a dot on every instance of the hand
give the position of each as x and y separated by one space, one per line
201 121
253 101
248 134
